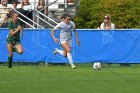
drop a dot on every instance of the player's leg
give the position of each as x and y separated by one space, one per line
10 55
63 53
67 52
19 48
58 51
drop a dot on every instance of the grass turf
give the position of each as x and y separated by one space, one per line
63 79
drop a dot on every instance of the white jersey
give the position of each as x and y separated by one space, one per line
66 31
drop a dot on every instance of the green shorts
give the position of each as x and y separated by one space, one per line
13 41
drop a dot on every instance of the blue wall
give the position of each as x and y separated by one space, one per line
115 46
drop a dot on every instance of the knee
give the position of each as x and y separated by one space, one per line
65 54
68 51
20 51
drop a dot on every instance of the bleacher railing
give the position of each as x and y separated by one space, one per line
28 19
46 19
37 13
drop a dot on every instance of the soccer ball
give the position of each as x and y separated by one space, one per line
97 66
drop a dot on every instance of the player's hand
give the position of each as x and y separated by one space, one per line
56 40
20 28
78 42
17 29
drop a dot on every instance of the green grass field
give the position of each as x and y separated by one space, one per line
63 79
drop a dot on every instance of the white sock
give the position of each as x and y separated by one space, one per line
69 56
60 52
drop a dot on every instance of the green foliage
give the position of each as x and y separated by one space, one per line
124 13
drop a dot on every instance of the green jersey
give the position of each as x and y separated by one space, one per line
16 37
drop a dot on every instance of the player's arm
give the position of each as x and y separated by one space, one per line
21 31
20 28
58 26
53 36
76 34
13 32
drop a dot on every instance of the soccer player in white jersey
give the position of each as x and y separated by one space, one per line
66 27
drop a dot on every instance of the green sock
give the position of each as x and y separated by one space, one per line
9 62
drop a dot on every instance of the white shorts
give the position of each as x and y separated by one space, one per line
69 41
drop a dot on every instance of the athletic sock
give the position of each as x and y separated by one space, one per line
10 62
60 52
69 56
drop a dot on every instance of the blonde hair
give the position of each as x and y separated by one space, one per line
109 21
22 3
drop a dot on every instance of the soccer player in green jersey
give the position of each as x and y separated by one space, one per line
13 38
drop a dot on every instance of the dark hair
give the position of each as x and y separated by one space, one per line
14 2
65 16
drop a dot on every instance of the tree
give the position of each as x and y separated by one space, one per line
124 13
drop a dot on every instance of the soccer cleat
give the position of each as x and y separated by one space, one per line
55 51
9 65
73 66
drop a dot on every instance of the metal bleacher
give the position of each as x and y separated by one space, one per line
55 9
59 7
